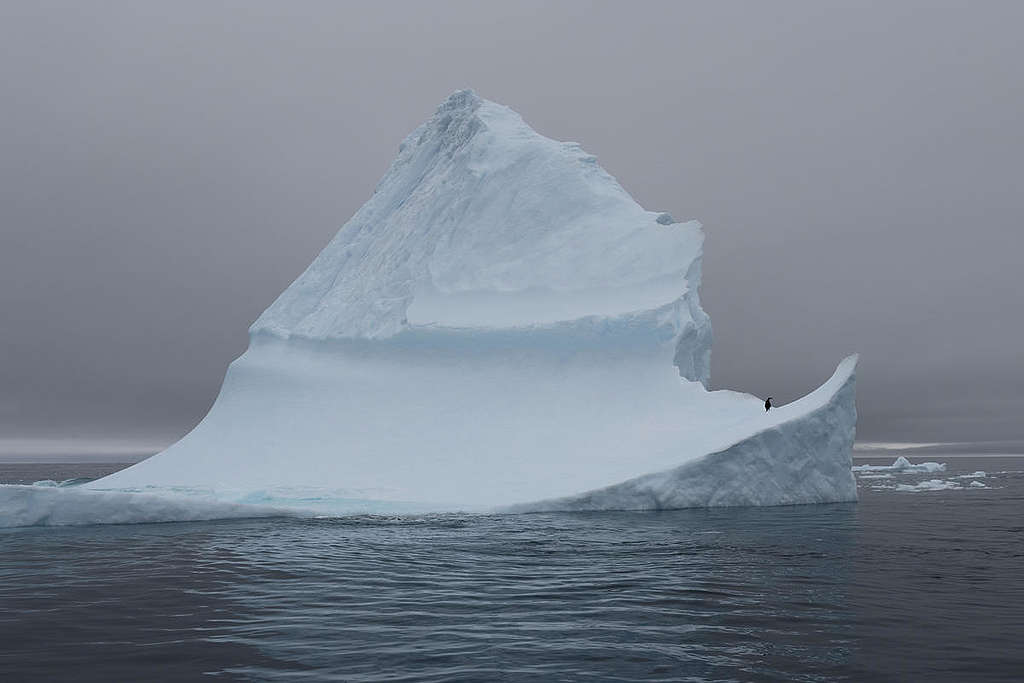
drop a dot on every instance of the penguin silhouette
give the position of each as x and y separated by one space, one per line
768 404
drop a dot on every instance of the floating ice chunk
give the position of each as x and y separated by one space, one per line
977 484
902 465
974 475
929 485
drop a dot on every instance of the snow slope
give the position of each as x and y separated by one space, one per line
500 327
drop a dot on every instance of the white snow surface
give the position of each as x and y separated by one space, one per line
500 327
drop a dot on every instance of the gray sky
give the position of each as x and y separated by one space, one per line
166 169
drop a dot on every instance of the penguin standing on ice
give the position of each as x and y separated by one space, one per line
768 404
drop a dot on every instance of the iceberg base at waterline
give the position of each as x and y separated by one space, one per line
75 506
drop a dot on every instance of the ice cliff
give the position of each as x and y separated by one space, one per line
500 327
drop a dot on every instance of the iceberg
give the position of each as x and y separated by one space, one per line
501 327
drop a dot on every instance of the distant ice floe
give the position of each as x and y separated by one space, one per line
929 485
975 475
936 485
879 474
902 465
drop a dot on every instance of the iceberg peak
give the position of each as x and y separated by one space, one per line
483 223
454 123
461 100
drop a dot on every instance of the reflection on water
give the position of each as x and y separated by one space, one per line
900 587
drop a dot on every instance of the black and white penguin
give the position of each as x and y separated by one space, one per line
768 404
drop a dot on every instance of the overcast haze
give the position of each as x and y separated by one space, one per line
166 169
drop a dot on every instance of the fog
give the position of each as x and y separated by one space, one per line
167 169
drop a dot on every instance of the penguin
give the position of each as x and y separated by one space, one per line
768 404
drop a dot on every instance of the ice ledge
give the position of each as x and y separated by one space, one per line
801 459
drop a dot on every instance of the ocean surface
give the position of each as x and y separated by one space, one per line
921 580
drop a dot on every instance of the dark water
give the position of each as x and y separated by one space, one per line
903 586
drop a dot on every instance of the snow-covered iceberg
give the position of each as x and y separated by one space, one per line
500 327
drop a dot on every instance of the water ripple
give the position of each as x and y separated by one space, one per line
898 587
